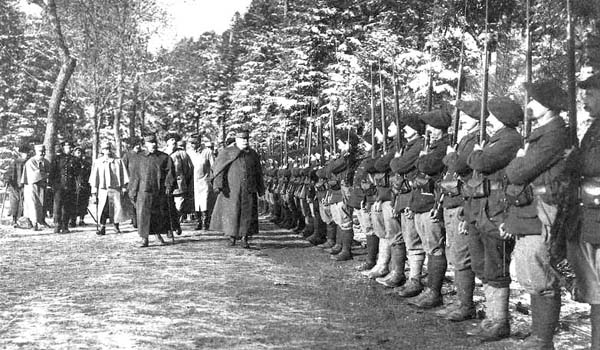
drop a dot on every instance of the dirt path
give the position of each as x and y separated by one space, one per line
81 291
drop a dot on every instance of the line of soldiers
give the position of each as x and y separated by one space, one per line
474 205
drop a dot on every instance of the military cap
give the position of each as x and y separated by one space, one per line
415 123
438 118
243 134
471 108
181 143
506 110
173 135
24 148
135 140
592 82
78 148
194 140
150 138
343 135
548 93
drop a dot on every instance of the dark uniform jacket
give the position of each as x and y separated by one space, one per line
384 191
456 162
541 166
589 167
491 161
341 170
64 173
430 165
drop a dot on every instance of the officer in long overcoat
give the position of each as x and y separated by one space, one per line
64 172
238 181
152 181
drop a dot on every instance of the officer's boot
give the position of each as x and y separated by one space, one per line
413 286
339 237
464 309
200 216
331 231
381 268
283 218
545 311
309 226
432 295
206 220
595 320
372 249
319 232
498 323
299 223
396 277
346 252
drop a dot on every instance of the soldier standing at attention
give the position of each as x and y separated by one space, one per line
15 189
583 250
485 212
64 172
539 165
457 239
425 206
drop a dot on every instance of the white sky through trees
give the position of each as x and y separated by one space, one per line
191 18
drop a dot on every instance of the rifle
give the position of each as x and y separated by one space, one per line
373 127
285 143
526 124
332 131
320 141
382 102
571 78
459 88
299 131
486 68
397 109
309 140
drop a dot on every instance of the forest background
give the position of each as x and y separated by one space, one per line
84 70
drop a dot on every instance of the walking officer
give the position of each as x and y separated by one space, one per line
64 173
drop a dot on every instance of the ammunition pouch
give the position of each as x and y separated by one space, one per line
334 185
368 188
400 185
451 185
476 187
424 183
382 180
519 195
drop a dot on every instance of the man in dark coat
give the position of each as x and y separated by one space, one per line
238 181
130 160
64 173
539 166
15 189
583 250
152 181
83 190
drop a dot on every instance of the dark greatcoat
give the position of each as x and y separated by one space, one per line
238 179
64 173
152 175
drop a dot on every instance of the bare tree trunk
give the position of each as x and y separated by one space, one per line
66 70
96 135
119 111
133 112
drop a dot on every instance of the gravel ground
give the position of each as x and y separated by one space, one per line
82 291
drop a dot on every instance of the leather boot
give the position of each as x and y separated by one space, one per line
464 308
319 234
160 239
339 237
545 311
381 268
205 221
309 228
396 277
101 231
331 233
595 320
200 224
372 249
410 289
432 296
117 228
300 224
346 253
413 287
498 323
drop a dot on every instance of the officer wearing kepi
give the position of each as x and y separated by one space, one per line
63 179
